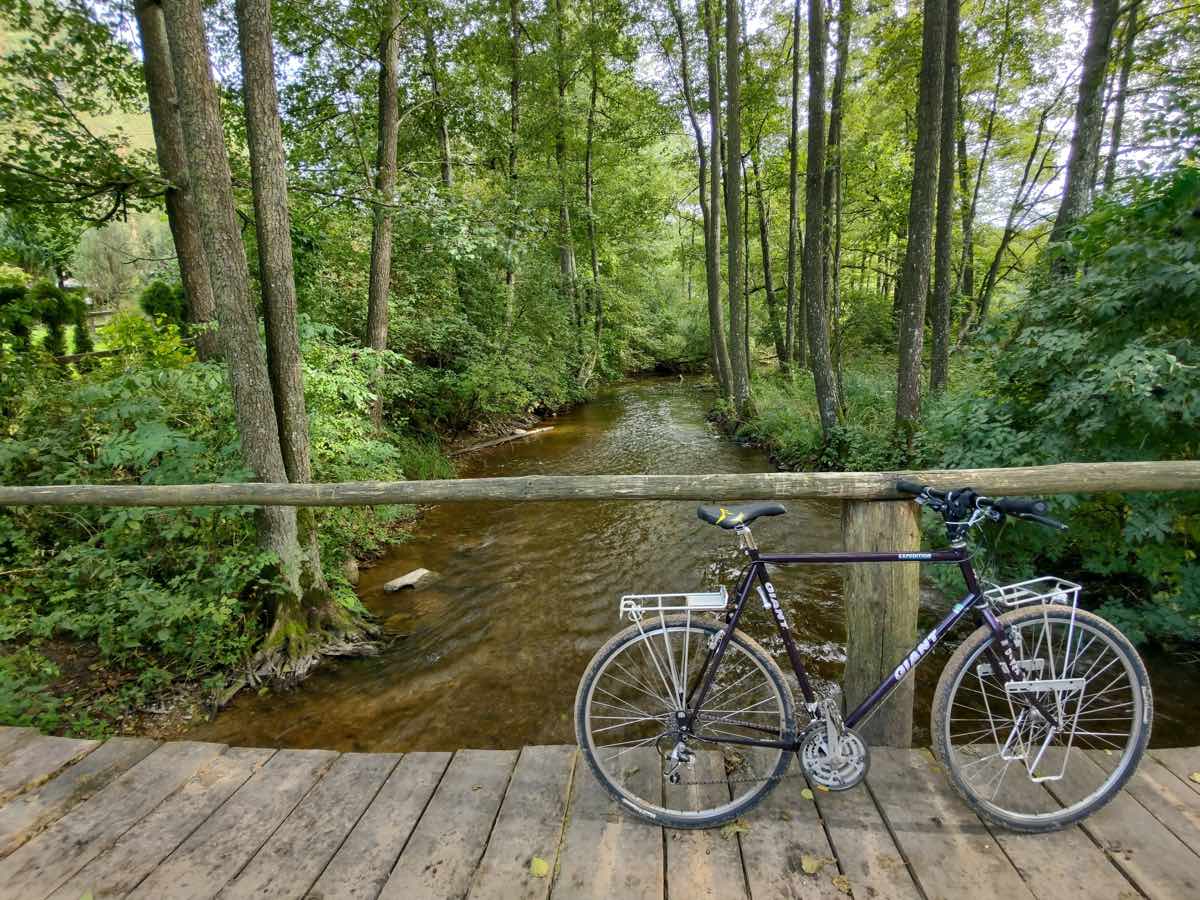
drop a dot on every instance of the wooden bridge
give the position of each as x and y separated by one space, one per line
131 817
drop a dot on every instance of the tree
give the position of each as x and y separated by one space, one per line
1088 119
379 288
794 337
914 277
832 216
439 106
566 245
739 363
829 402
1127 58
712 247
943 247
172 162
764 242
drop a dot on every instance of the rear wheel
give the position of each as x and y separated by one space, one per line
627 722
1040 757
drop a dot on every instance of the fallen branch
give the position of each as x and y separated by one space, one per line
516 436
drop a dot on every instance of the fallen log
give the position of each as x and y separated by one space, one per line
495 442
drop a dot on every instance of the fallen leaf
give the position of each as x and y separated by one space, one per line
842 883
811 864
477 787
86 896
1195 776
821 787
737 826
806 794
538 867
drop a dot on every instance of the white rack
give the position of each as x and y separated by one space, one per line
634 606
1047 589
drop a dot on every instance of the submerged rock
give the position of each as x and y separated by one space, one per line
414 579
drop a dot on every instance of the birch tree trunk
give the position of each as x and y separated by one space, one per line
914 276
172 163
712 246
1089 114
733 196
514 125
828 397
379 285
940 362
272 222
794 336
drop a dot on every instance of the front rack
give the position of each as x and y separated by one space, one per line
1048 589
635 606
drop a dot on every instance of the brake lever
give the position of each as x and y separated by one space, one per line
1044 520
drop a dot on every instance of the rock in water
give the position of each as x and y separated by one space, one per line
415 578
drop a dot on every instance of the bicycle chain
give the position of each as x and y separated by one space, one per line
776 778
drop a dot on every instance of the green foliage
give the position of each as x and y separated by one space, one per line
167 301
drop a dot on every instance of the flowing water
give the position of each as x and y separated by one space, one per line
490 654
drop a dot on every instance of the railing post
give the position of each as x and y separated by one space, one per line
881 613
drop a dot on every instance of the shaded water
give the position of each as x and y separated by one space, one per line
490 655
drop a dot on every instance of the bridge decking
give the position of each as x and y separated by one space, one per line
133 817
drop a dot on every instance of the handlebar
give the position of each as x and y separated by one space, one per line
964 499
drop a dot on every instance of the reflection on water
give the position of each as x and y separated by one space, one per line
490 654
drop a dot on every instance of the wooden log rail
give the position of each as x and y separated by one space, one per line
881 600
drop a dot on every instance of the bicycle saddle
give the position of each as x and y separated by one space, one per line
732 516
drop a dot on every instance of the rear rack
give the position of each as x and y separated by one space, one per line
635 606
1048 589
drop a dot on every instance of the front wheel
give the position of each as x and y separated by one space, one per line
628 713
1055 744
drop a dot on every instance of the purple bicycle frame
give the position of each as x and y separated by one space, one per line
757 571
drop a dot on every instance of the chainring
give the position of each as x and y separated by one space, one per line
819 764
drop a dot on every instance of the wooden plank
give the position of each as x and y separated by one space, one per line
1057 865
881 615
607 852
863 845
1183 762
295 855
703 863
24 816
530 824
784 830
118 870
11 738
36 760
1141 847
949 850
216 851
1180 475
41 865
445 848
359 870
1156 788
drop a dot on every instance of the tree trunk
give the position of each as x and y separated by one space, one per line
966 276
1127 59
566 245
272 222
833 150
596 302
172 163
733 196
940 362
229 274
712 245
794 337
829 402
1081 162
439 107
914 277
379 286
768 275
514 113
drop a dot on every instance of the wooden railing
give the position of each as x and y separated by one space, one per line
881 600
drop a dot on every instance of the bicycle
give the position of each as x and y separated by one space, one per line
1039 717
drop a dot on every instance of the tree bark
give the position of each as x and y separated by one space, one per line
272 222
833 149
940 362
1081 162
566 245
172 163
595 300
439 106
712 246
379 285
768 275
1127 59
514 113
914 276
212 189
794 337
829 402
739 362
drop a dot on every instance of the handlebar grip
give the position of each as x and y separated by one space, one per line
1017 507
910 487
1044 520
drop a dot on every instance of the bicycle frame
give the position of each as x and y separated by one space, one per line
756 571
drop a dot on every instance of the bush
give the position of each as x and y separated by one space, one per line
165 301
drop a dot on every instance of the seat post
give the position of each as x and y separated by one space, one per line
745 538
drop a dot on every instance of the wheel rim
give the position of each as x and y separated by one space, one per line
1010 758
630 714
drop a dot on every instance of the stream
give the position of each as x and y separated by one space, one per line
490 653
